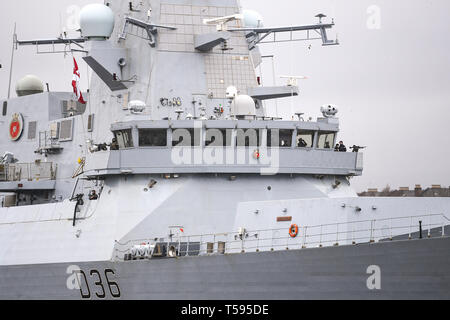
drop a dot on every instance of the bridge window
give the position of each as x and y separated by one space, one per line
326 140
186 138
305 139
152 137
218 137
279 138
124 139
248 138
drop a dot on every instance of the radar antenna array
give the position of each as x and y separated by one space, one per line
221 22
151 29
318 31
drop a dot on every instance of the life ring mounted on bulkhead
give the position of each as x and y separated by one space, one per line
293 231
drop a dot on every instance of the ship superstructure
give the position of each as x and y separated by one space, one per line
174 156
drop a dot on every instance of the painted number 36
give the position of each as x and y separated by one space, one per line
78 280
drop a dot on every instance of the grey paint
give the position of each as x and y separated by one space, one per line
268 93
106 76
204 203
383 87
27 185
295 161
327 273
206 42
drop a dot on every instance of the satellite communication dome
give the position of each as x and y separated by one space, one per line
96 21
243 106
29 85
253 19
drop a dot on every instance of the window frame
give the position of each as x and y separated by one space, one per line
193 144
301 132
260 138
326 133
269 138
131 142
161 130
227 141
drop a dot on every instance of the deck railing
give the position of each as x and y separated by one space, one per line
326 235
3 172
48 143
34 171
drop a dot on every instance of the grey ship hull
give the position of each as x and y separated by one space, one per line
416 269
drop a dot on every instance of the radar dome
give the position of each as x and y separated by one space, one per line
243 107
96 21
29 85
253 19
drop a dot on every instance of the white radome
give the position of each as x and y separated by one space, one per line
28 85
243 106
253 19
96 21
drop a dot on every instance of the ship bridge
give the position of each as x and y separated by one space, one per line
232 146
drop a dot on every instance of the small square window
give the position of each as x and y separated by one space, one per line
248 138
218 137
305 139
124 139
326 140
186 137
152 137
280 138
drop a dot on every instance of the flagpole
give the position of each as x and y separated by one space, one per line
12 60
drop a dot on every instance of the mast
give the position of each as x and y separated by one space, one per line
12 61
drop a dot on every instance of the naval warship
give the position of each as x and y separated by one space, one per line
169 179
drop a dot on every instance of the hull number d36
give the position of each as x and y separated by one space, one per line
93 284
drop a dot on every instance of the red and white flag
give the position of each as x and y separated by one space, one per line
76 82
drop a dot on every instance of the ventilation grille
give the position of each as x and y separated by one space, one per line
32 127
65 130
5 108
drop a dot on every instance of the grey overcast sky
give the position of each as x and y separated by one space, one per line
390 77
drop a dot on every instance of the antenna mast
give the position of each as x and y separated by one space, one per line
12 61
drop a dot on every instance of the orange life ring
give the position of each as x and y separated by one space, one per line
293 231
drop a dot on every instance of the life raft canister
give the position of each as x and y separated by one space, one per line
293 231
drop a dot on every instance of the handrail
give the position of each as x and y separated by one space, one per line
29 171
279 239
